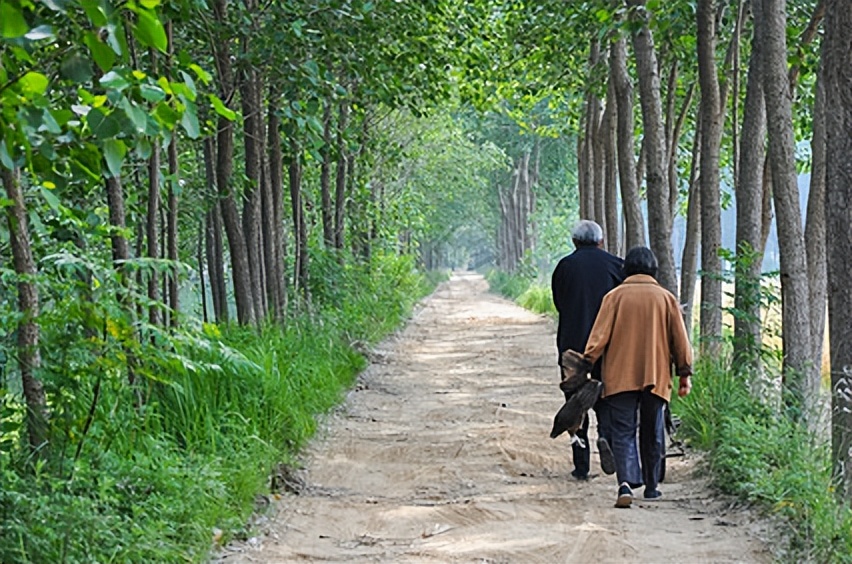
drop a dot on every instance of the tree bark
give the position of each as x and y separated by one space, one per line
29 356
300 229
711 209
250 97
610 195
213 237
836 59
634 223
151 231
325 179
246 314
276 193
749 200
794 272
816 236
692 241
659 218
340 185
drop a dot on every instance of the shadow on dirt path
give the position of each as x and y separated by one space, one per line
441 454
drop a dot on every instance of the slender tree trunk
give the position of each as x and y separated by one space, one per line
711 210
692 241
151 231
634 228
816 236
172 201
213 237
610 196
749 200
300 229
199 257
837 57
659 218
325 179
246 314
251 218
796 317
29 355
340 186
276 186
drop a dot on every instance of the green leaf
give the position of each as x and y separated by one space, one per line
114 80
103 126
12 21
149 30
149 4
33 83
166 115
95 12
204 76
5 157
103 55
50 198
114 153
40 32
138 117
76 68
189 121
221 109
152 93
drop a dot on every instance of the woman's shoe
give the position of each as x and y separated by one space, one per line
625 496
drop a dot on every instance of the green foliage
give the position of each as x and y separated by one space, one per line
221 408
510 285
538 299
766 458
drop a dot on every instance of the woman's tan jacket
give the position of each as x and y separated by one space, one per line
640 333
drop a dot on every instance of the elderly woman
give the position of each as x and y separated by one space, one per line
639 332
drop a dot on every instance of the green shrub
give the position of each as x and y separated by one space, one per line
761 456
220 408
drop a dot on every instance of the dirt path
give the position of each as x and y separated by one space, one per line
442 454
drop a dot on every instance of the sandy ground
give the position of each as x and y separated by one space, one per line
441 453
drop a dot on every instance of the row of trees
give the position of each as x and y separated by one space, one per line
248 139
671 101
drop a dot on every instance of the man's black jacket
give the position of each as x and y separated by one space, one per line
579 284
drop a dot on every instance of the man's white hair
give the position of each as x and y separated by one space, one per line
587 232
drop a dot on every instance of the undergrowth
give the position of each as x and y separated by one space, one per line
164 470
759 455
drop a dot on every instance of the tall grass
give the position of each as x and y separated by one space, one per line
759 455
223 408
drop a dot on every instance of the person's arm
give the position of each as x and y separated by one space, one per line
601 331
681 349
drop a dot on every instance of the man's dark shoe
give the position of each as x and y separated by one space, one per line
652 495
579 475
607 458
625 496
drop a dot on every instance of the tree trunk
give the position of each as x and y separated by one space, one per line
151 231
837 57
300 229
815 235
692 241
659 218
276 192
749 200
246 314
29 356
634 224
794 271
325 179
250 89
340 186
610 196
213 237
172 202
711 209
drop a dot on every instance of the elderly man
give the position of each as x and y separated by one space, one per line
579 283
639 333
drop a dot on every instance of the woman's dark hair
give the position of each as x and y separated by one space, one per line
640 260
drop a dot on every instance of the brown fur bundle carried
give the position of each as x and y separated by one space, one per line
575 371
581 392
570 417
